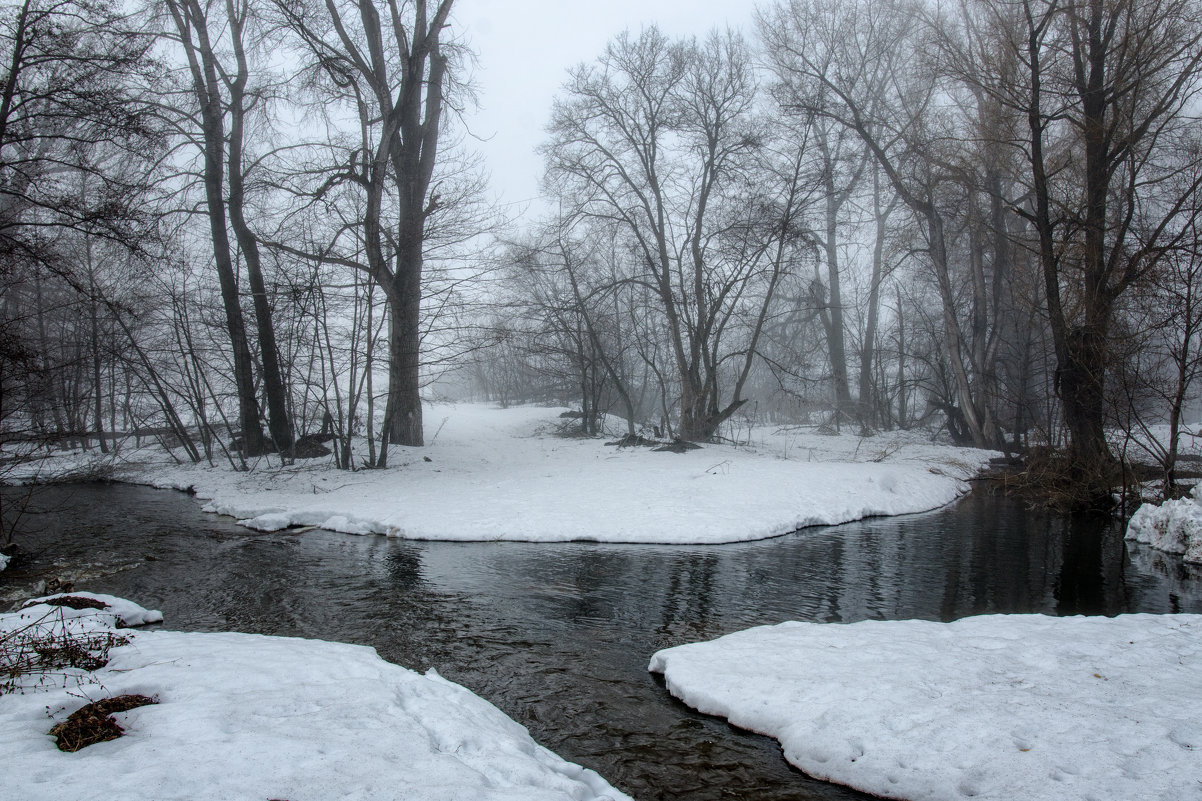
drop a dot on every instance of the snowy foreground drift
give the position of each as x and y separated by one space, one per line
247 716
996 707
1173 526
503 474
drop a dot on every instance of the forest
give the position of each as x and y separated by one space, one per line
249 227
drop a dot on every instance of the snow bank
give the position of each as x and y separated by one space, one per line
1174 526
116 612
248 716
993 707
503 474
38 619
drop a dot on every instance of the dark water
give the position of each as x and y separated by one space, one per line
559 636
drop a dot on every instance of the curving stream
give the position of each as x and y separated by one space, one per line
559 636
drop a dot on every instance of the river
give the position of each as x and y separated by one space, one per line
559 636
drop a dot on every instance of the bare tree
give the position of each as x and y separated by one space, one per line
70 118
216 89
1109 92
392 70
882 207
569 288
661 139
853 62
841 165
1157 378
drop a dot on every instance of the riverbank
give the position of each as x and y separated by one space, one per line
991 707
249 716
509 474
559 636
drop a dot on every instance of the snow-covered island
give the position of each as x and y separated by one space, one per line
248 716
1174 526
507 474
993 707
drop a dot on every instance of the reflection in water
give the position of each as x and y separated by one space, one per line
558 636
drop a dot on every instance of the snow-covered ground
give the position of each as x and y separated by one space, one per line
1174 526
503 474
248 716
993 707
1146 446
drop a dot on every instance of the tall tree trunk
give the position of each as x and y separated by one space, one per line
1081 349
49 394
94 321
867 402
1080 383
278 419
248 403
952 337
836 350
190 21
403 410
413 163
1082 378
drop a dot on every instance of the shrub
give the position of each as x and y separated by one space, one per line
49 651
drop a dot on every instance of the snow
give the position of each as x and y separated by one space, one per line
4 560
38 618
117 611
991 707
1145 445
1174 526
249 716
503 474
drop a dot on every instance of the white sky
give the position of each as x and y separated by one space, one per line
525 48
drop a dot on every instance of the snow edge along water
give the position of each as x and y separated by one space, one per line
502 474
254 716
990 707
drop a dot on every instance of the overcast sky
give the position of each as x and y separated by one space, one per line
525 48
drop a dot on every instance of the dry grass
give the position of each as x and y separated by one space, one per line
1050 479
70 601
94 722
